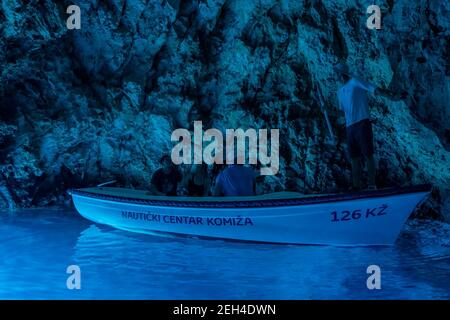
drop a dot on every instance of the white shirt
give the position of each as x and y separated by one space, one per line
352 99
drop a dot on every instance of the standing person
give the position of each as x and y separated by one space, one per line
352 97
165 180
236 180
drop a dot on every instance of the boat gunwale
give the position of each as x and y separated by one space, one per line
259 203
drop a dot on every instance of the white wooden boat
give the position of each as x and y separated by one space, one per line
361 218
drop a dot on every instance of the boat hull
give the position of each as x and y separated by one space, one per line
354 222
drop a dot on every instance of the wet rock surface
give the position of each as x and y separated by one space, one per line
80 107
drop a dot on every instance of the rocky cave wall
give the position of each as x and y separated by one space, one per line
80 107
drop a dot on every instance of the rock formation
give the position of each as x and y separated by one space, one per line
80 107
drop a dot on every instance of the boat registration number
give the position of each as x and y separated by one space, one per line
349 215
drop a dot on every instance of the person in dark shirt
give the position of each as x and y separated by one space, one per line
165 180
198 181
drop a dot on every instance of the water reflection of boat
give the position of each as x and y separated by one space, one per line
362 218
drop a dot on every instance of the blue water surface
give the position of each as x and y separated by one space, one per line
36 247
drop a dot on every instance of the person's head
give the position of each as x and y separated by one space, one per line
166 163
343 72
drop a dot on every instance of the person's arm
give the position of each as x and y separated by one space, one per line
339 105
218 190
179 181
185 179
257 179
207 185
364 85
377 90
153 190
389 94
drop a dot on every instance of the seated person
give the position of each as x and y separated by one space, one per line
236 180
165 180
198 181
